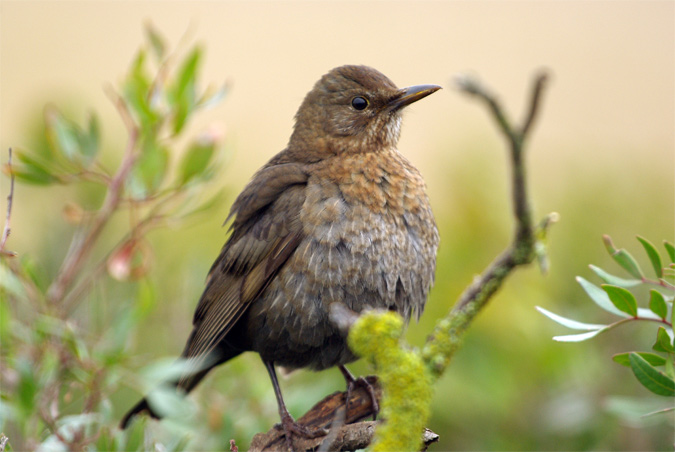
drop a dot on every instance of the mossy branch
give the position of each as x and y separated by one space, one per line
528 242
405 375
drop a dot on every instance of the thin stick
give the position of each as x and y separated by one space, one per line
7 229
446 337
81 247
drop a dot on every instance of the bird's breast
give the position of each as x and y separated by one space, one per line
369 242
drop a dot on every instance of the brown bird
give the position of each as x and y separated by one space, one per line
339 216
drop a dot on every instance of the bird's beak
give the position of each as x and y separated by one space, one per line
412 94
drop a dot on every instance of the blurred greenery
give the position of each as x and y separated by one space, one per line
509 388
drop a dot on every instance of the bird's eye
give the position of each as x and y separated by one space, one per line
359 103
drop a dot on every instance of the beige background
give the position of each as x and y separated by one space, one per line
612 64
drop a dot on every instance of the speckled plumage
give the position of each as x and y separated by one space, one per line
339 216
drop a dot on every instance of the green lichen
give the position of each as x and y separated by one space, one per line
405 380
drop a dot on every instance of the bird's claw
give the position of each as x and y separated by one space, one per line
290 428
353 383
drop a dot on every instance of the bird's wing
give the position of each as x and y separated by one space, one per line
265 232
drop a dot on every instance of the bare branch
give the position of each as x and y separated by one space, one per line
349 434
539 84
7 229
447 335
82 245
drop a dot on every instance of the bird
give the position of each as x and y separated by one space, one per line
339 217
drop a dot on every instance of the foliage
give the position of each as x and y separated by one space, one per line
61 355
615 297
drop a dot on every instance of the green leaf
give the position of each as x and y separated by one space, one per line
196 159
671 250
599 296
628 262
670 371
156 41
27 386
136 433
6 319
89 142
614 280
183 92
658 304
146 299
569 323
62 135
651 358
622 299
650 377
663 341
33 171
623 258
188 71
136 91
654 257
149 171
10 282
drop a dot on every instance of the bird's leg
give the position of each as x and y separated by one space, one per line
352 382
287 422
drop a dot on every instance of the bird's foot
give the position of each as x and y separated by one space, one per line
352 384
292 428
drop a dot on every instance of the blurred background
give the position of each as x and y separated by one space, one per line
601 155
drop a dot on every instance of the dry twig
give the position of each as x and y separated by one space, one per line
10 197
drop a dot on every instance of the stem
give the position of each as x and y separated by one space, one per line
7 229
446 337
82 247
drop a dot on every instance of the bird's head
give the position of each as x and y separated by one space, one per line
353 109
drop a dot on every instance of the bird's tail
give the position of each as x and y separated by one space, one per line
185 384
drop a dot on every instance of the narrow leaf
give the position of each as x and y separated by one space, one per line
32 170
196 160
654 257
622 299
614 280
650 377
569 323
628 262
577 337
658 304
149 171
671 250
89 142
156 41
651 358
188 71
623 258
212 97
63 135
599 297
136 90
184 97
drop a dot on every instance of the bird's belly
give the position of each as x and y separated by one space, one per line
353 256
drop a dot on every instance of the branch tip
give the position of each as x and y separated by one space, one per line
10 197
